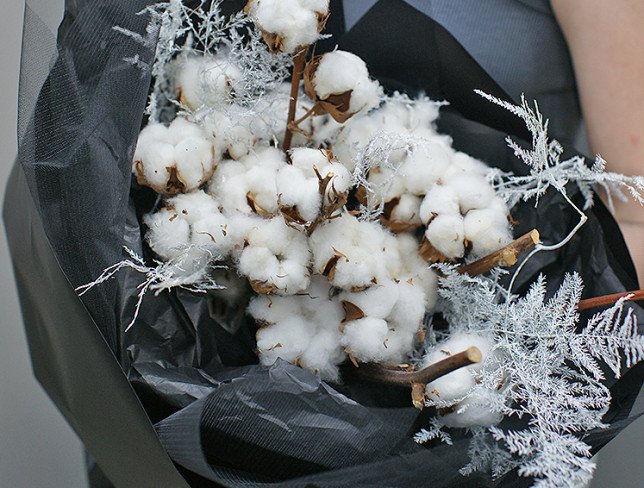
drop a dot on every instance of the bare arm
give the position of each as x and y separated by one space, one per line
606 40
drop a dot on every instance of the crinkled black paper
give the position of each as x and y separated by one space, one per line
223 419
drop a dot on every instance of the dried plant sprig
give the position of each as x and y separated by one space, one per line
606 300
163 276
426 375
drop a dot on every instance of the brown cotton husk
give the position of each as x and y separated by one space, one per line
336 105
351 312
252 203
396 226
430 254
292 216
262 287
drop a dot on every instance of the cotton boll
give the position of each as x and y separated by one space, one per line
366 339
276 259
441 200
193 206
287 339
324 354
476 410
458 383
424 166
212 233
488 230
377 301
272 309
167 235
194 160
342 179
446 233
409 310
179 158
473 191
342 75
407 210
206 79
350 252
416 270
152 163
288 24
305 158
297 191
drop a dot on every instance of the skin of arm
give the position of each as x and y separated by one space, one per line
606 41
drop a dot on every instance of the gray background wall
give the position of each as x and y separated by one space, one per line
37 447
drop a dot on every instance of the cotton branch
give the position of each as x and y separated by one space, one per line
504 257
298 67
426 375
605 300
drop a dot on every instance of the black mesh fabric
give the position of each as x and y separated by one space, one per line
222 418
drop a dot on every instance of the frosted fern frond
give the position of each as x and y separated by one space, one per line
551 368
486 455
176 29
377 153
548 170
435 431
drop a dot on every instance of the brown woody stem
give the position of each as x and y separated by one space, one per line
605 300
504 257
308 113
298 67
427 375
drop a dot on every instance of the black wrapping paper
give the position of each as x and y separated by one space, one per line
221 417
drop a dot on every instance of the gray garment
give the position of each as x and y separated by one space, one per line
518 42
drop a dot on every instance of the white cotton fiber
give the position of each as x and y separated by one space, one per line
476 410
458 383
294 21
355 248
424 167
441 200
446 233
339 72
407 210
366 338
180 157
206 80
287 339
167 235
276 257
312 317
488 230
473 191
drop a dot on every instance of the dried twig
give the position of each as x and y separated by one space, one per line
605 300
426 375
298 67
504 257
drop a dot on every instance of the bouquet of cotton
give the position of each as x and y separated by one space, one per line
354 226
287 219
